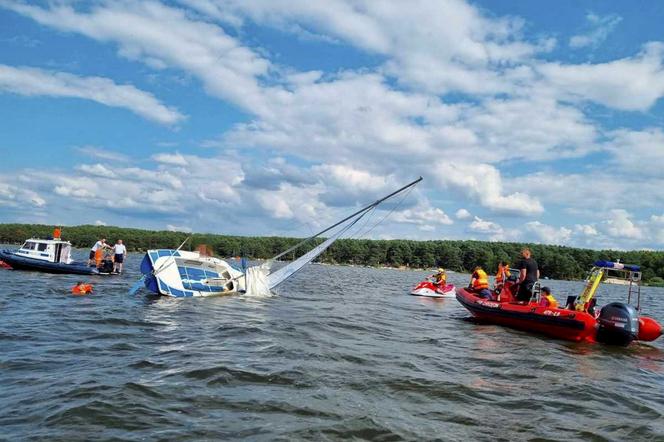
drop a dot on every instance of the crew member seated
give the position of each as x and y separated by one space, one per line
479 283
105 263
440 277
547 299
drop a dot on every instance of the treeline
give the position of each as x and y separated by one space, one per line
554 261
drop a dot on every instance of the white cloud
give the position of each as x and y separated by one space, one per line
101 153
462 214
620 225
18 197
484 226
586 229
461 43
95 170
600 28
172 228
632 84
162 36
638 152
425 216
38 82
483 183
175 159
549 234
100 223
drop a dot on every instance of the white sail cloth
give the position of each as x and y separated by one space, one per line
259 282
256 280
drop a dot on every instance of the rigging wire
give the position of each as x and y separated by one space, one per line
403 198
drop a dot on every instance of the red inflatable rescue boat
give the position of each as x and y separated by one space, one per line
615 323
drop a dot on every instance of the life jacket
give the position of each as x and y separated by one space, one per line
548 301
481 280
503 274
99 255
440 278
81 289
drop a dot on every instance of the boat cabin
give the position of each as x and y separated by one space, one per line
49 250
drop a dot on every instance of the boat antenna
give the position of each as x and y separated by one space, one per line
370 206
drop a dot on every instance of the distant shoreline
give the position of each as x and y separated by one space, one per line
555 262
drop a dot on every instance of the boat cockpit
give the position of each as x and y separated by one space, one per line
49 250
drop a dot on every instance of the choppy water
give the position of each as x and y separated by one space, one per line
339 353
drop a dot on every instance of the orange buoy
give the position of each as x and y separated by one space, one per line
81 289
649 329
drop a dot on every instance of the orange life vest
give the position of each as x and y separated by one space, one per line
56 233
481 280
81 289
99 255
548 301
503 274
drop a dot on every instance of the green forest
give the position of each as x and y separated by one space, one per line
556 262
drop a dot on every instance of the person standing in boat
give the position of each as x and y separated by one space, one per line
99 245
528 275
119 253
501 276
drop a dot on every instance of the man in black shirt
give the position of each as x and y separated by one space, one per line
528 275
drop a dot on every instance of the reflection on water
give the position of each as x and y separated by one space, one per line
338 353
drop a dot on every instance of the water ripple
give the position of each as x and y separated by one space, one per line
320 361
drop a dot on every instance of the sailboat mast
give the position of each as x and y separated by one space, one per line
370 206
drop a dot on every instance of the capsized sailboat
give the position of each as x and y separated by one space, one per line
178 273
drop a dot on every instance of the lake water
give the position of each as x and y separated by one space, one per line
338 353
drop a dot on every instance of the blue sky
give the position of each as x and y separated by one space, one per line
530 121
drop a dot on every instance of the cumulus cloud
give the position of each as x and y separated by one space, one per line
37 82
637 152
462 214
483 183
480 225
424 216
606 83
462 43
549 234
620 225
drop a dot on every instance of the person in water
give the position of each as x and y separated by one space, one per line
119 253
440 277
547 299
528 275
479 283
99 245
501 276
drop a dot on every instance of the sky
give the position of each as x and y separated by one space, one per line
529 121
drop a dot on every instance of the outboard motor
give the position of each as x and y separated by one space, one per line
618 324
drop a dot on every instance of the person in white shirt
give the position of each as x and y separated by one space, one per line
120 251
93 251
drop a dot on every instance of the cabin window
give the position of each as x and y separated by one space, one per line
29 246
42 247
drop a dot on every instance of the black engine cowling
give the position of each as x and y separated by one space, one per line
618 324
